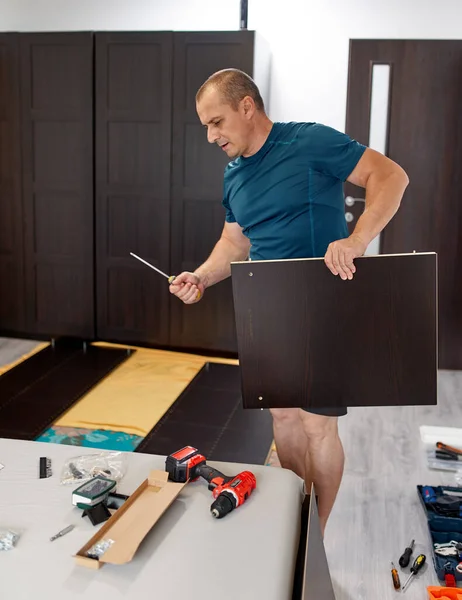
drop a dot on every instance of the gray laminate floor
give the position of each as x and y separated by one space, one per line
378 512
11 349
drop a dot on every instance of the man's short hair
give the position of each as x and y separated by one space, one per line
233 85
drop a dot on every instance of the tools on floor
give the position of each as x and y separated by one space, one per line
67 529
443 509
446 458
395 577
229 492
406 556
418 564
404 562
444 448
451 548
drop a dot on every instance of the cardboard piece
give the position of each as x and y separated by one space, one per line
129 525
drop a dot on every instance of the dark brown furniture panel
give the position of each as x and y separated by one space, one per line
11 230
197 186
57 153
315 341
425 137
133 136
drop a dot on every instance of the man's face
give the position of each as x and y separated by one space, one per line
228 128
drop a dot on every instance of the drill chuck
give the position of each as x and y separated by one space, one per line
223 505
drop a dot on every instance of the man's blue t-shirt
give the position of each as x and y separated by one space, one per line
288 197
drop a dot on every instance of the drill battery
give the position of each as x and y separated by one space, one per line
183 465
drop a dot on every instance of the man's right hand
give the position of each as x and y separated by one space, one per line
188 287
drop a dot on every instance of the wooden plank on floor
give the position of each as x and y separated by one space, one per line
209 416
41 399
37 366
138 393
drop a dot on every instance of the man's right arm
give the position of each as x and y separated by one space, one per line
232 246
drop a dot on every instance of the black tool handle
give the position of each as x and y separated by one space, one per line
418 563
406 556
209 474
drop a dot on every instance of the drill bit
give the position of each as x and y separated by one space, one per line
62 532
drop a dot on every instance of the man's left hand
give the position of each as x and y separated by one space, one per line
340 254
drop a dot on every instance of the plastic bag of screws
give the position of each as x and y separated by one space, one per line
8 539
99 548
80 469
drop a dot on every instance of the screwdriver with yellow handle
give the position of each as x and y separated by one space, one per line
418 564
170 278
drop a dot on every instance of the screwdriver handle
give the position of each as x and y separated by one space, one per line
406 556
172 278
451 449
418 563
395 576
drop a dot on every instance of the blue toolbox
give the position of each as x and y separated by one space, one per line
443 508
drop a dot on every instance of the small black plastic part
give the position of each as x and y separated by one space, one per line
97 514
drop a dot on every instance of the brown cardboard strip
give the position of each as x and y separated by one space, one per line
130 524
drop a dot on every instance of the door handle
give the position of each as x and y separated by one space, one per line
349 200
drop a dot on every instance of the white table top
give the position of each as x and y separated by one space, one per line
187 555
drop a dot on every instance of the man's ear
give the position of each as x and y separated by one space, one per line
248 106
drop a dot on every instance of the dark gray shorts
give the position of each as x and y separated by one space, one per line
340 411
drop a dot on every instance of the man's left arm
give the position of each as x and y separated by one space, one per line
385 183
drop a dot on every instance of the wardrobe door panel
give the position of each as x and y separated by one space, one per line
12 318
133 133
57 153
197 186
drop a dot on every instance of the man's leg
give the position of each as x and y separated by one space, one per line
309 445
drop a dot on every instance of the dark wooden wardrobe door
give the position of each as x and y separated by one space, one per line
133 133
11 231
197 187
425 137
57 153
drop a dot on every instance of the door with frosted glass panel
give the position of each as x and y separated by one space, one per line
404 99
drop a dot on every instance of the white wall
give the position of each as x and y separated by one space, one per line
116 15
309 40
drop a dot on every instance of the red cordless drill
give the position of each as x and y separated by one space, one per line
229 492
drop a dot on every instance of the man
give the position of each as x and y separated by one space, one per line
283 195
